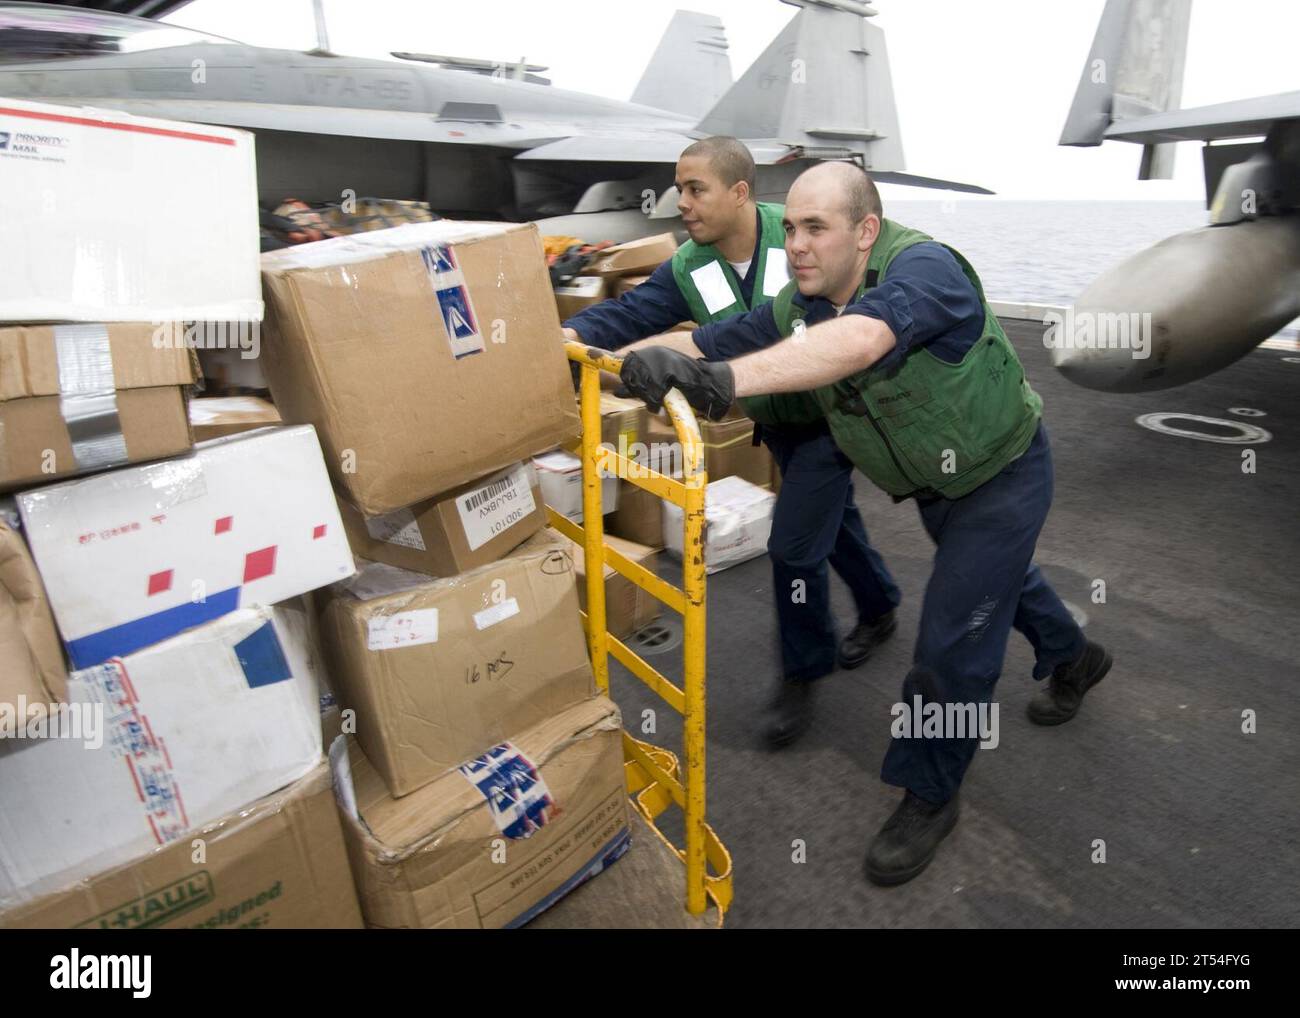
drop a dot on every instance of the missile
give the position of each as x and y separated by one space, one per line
1181 309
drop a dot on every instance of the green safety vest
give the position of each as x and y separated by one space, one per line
927 426
712 292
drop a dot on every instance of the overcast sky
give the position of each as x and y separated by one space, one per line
982 88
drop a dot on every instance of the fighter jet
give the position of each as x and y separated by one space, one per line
477 138
1201 299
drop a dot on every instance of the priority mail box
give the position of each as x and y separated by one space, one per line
154 744
31 660
427 355
737 523
559 474
107 217
276 863
499 839
78 398
219 416
468 527
438 669
136 555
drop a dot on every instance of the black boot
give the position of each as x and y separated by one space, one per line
790 713
1063 696
866 636
909 839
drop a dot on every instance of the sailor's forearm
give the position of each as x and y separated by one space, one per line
820 356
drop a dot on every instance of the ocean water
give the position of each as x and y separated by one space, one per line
1045 252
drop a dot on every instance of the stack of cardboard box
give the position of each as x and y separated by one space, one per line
173 776
164 766
478 770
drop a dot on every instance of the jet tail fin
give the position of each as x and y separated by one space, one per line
821 87
1135 68
690 69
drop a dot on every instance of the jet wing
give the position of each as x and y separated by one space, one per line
613 147
341 121
1241 118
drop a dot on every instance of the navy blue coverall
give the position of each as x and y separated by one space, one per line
984 581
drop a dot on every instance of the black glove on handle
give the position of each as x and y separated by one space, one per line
708 386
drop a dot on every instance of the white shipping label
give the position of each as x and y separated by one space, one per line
507 609
495 507
405 629
397 528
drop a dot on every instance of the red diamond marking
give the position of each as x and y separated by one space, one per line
224 524
318 533
259 563
160 582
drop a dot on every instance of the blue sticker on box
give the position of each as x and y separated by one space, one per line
516 794
457 311
262 658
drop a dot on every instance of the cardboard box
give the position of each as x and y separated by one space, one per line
497 841
737 523
636 257
622 427
426 355
96 207
278 863
79 398
639 517
219 416
469 527
29 646
136 555
627 606
729 449
626 283
438 669
582 292
156 744
559 474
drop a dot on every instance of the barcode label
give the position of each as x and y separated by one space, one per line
491 491
505 500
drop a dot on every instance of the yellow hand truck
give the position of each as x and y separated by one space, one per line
654 775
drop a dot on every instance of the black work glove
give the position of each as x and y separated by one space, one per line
649 373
